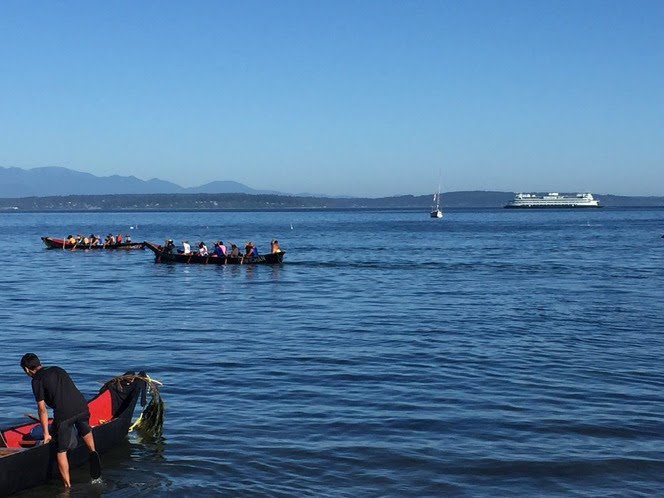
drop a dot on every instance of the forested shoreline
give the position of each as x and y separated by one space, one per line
167 202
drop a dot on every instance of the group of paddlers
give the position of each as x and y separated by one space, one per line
96 240
220 250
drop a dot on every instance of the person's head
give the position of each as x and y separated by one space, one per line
30 363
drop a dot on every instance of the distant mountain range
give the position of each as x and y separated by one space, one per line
52 181
54 188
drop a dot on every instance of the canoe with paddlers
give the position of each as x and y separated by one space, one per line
25 462
53 243
162 255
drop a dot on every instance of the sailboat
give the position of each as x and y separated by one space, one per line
435 209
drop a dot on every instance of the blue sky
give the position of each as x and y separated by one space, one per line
363 98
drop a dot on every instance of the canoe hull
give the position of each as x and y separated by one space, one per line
52 243
193 259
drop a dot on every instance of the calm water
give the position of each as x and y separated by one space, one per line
491 353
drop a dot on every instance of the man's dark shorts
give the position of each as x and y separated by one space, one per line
63 432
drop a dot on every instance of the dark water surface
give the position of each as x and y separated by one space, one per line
491 353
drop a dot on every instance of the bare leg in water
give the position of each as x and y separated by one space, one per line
63 467
63 462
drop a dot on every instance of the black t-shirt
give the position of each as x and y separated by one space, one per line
54 386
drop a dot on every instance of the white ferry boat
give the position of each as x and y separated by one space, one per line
554 200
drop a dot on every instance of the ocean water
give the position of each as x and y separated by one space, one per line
490 353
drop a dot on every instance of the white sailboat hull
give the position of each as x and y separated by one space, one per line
435 209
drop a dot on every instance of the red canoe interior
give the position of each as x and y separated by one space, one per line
101 411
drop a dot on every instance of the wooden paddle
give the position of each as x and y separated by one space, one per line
30 415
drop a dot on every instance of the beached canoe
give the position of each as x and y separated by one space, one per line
162 256
25 462
52 243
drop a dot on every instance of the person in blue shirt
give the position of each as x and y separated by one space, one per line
250 250
220 249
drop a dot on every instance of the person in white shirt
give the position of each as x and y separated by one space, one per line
186 247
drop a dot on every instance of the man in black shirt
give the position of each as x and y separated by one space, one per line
52 386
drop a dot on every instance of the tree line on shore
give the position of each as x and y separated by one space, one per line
167 202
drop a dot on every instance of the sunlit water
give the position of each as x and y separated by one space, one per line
490 353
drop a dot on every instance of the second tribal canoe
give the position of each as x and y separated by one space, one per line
162 256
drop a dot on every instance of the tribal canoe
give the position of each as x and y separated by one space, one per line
174 257
25 463
52 243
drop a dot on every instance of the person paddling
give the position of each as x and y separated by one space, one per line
52 386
